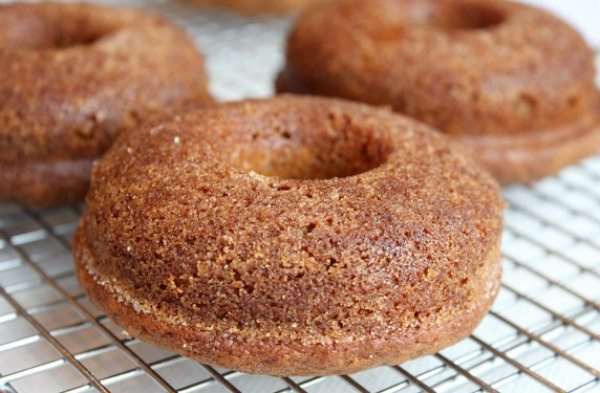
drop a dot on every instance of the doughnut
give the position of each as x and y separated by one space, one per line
260 6
291 236
511 82
74 76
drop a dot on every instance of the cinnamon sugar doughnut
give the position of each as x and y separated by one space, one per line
291 236
74 76
512 82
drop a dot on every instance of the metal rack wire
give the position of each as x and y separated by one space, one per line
543 333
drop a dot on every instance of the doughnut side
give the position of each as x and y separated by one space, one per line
259 352
537 155
42 184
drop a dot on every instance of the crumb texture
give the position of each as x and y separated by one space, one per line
74 77
507 79
292 230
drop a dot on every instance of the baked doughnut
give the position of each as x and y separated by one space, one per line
74 76
261 6
513 83
291 236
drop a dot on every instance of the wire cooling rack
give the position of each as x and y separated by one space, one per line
543 333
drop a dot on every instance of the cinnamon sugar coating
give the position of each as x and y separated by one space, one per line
291 236
512 82
74 76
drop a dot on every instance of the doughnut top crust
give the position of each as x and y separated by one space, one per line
76 75
462 66
310 220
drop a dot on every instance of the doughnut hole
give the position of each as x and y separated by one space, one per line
389 22
311 152
81 38
467 15
38 30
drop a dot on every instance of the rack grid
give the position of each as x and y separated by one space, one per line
543 333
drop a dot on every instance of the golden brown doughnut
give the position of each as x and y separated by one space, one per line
291 236
73 77
512 82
